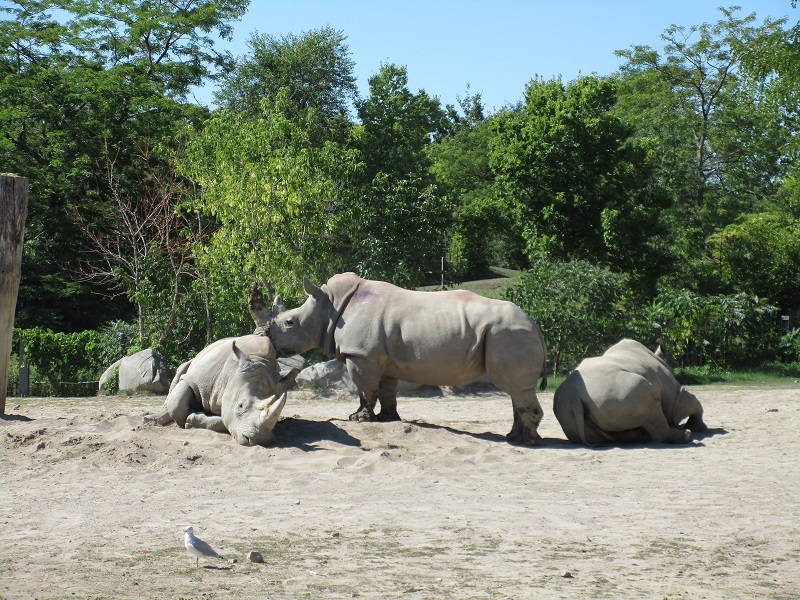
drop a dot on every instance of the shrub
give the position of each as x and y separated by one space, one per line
580 308
62 358
724 330
70 364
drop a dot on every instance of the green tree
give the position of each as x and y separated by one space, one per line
759 254
775 52
398 126
721 330
580 187
402 227
394 223
270 191
714 134
483 231
101 71
579 306
314 69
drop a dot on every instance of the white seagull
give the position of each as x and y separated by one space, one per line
197 547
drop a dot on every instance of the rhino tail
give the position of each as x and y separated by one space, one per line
581 423
543 385
578 415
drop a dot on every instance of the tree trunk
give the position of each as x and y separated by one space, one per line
13 213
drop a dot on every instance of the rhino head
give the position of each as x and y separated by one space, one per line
300 329
253 398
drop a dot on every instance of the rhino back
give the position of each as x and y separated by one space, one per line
608 376
437 337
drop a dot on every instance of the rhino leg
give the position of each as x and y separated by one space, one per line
180 402
387 395
659 430
696 424
690 405
366 378
527 416
163 419
200 420
366 410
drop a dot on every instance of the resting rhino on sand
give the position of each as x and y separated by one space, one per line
384 333
231 386
626 395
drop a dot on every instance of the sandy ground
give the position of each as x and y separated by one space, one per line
93 504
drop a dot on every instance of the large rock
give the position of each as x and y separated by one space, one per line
326 376
292 362
332 376
144 371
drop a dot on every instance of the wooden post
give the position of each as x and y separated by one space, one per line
13 213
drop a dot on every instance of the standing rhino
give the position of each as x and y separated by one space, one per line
384 334
626 395
231 386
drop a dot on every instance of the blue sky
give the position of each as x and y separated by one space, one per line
495 46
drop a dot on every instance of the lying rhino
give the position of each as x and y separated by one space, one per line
384 334
233 386
626 395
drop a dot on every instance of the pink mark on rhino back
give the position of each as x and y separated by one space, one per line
362 296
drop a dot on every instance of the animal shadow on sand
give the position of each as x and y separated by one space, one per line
695 441
22 418
563 443
486 436
293 432
216 568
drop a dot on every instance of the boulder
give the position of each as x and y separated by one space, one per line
330 375
292 362
144 371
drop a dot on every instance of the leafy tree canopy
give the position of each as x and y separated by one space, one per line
581 189
314 69
81 81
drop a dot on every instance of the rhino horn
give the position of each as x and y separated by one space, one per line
259 311
271 410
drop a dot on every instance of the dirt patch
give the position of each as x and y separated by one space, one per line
94 502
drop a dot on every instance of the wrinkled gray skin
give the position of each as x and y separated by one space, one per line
384 334
626 395
231 386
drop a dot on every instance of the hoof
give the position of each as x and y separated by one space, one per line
363 416
696 425
527 440
385 417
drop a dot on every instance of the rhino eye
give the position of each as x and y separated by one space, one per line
290 322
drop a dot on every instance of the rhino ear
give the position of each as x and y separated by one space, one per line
278 306
286 381
240 356
310 288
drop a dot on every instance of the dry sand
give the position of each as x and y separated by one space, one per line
94 502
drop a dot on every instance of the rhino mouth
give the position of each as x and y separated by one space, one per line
253 438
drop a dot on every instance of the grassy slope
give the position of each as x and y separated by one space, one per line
496 282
